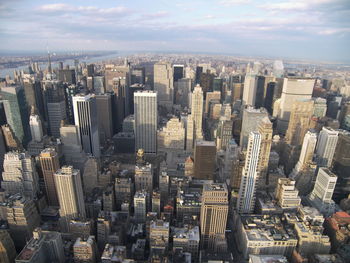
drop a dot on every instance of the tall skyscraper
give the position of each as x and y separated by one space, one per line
146 121
293 89
140 206
265 129
249 90
204 159
178 72
85 118
341 164
16 111
20 175
213 217
250 122
324 185
49 165
70 195
307 151
164 83
36 129
327 142
299 121
104 116
172 136
250 175
197 111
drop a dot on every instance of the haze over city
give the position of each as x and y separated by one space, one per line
313 29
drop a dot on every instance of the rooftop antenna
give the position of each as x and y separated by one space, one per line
48 53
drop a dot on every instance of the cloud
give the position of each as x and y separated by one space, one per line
61 7
233 2
333 31
158 14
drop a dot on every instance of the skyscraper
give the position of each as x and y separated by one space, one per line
324 185
144 177
36 129
197 111
327 142
70 195
265 129
250 122
213 217
7 248
250 175
299 121
178 72
20 175
146 121
287 194
104 116
164 83
307 152
85 118
16 111
204 159
293 89
140 206
49 165
249 90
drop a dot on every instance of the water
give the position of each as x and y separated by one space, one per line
70 62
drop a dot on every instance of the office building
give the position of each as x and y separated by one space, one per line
265 129
187 238
183 91
320 107
7 248
223 133
20 175
159 236
104 117
286 194
213 218
129 97
197 111
70 195
99 84
86 119
211 96
49 162
85 250
36 128
249 90
56 113
164 83
138 75
22 218
140 206
144 177
16 110
44 246
327 142
123 189
156 202
250 122
178 72
146 121
324 186
67 76
341 164
204 159
294 89
307 152
299 121
32 91
172 136
254 236
189 125
250 175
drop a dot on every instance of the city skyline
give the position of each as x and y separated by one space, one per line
310 30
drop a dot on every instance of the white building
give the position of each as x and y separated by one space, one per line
164 83
36 128
140 206
146 120
324 185
197 111
325 149
250 175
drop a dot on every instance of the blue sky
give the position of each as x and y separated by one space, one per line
310 29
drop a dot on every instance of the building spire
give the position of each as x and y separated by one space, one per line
49 68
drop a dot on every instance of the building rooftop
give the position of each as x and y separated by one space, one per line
187 233
267 259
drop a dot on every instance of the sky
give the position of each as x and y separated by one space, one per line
302 29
